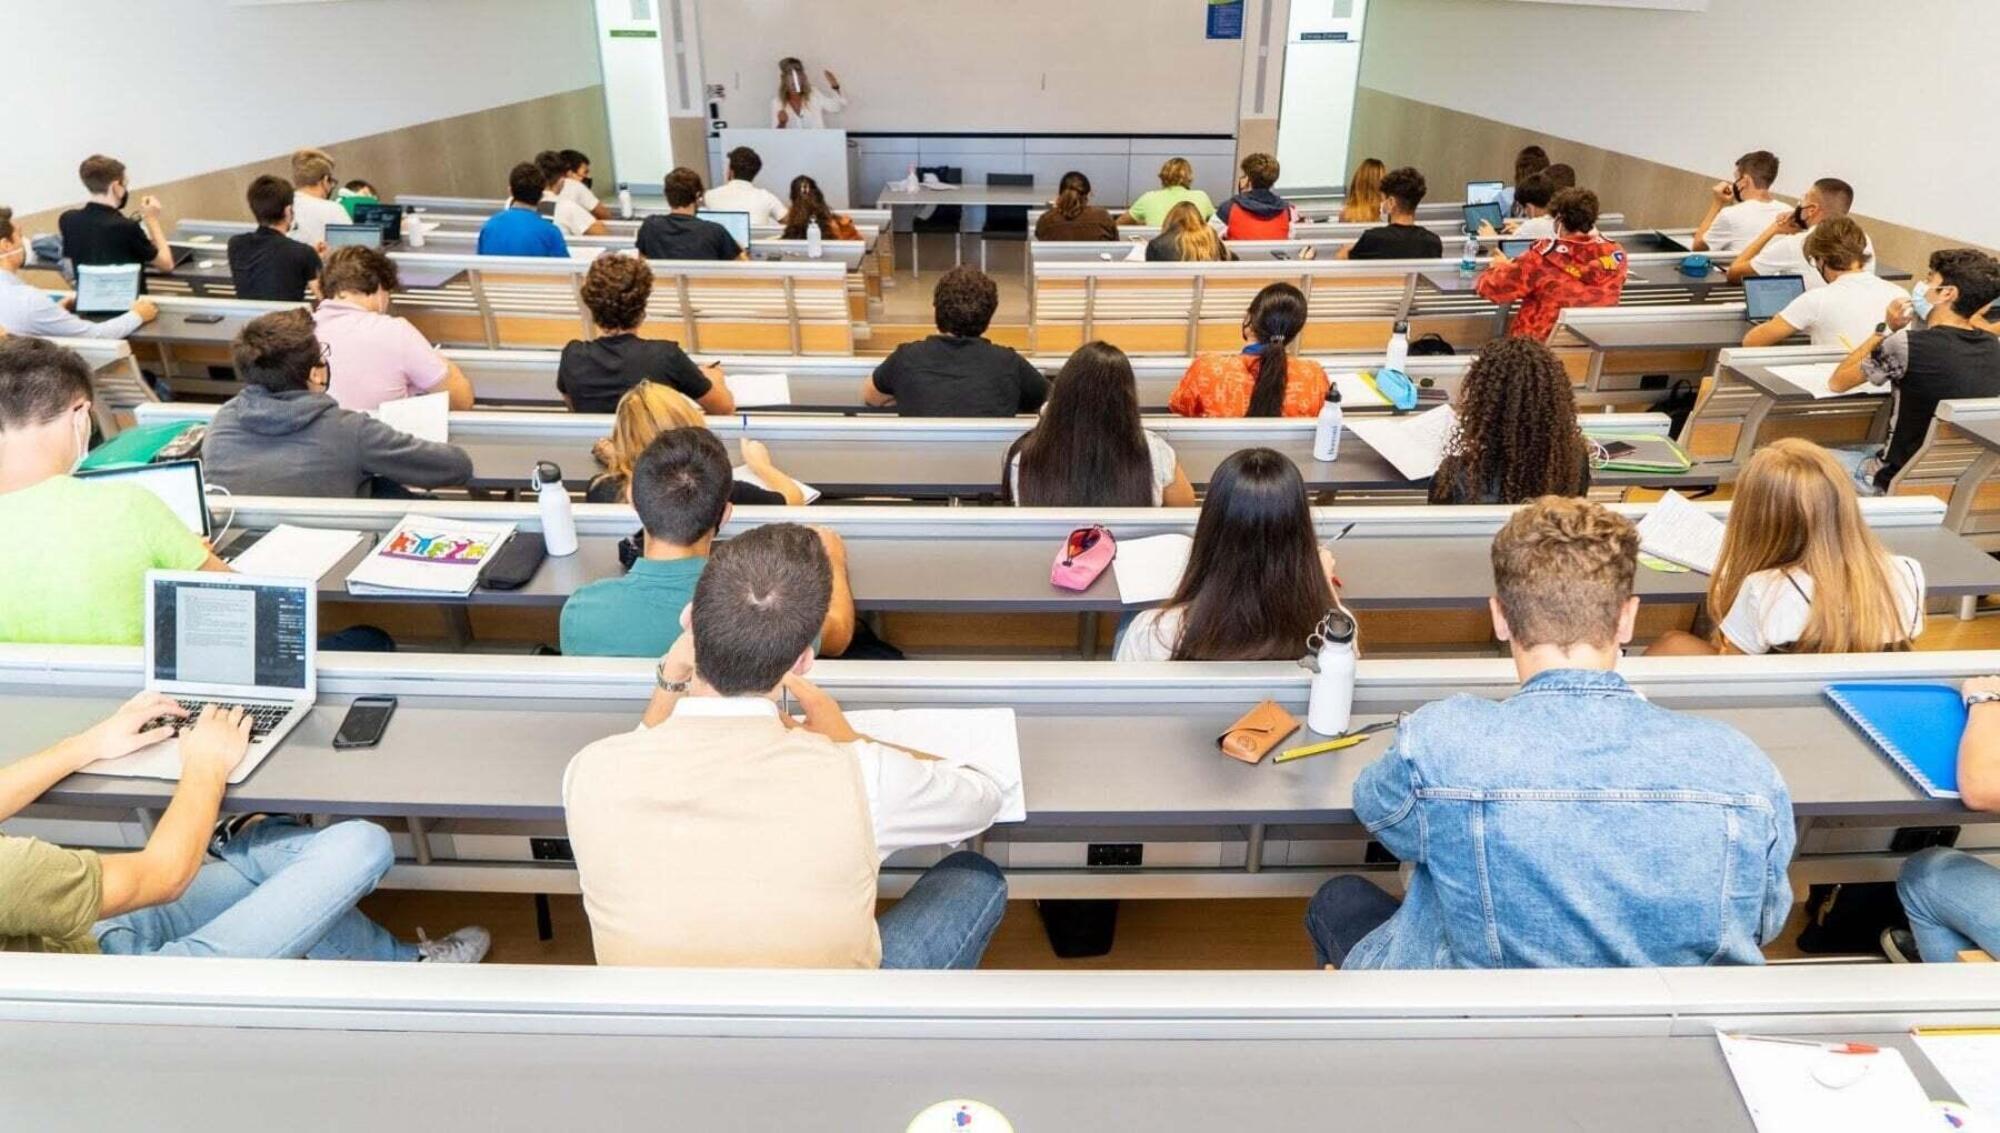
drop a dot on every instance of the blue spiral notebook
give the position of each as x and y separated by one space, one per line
1917 725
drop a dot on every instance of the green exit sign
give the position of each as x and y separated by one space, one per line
634 33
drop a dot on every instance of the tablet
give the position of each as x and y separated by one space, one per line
1766 295
1488 212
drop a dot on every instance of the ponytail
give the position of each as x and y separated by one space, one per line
1277 317
1072 194
1273 364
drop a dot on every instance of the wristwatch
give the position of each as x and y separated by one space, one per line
1881 330
1973 699
680 687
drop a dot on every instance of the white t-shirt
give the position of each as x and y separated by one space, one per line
1771 610
1152 635
579 194
1164 463
1742 222
762 204
311 215
812 114
572 218
1541 227
1786 255
1845 312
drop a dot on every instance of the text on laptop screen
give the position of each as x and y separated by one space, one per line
177 483
1766 295
344 235
106 289
738 224
229 633
1482 192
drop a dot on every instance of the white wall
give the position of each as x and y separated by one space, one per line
182 88
1894 99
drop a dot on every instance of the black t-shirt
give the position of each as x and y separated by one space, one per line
946 375
267 264
609 489
1398 242
1453 484
1944 362
595 374
100 235
678 236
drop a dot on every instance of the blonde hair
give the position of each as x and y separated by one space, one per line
1193 237
1795 509
310 167
1563 570
1177 171
1363 203
644 412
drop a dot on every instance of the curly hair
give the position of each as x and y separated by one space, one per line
1562 570
616 289
1406 186
964 302
1575 210
1517 433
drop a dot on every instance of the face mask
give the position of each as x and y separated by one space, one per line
1920 300
124 195
81 432
588 182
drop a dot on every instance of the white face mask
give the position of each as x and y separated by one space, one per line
81 432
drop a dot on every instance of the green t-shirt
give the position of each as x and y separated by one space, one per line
1152 208
49 897
638 615
74 558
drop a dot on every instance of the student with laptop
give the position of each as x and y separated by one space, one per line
1176 185
740 193
1517 436
1090 447
594 373
1953 898
957 372
1400 237
681 235
1579 268
681 489
722 833
1531 202
1740 208
571 217
1266 378
315 206
1574 824
520 229
1846 310
355 194
576 184
374 356
1528 162
265 262
1780 248
100 234
1255 212
28 309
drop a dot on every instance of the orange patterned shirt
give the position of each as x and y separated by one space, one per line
1219 385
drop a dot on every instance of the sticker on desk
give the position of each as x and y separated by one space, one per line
960 1115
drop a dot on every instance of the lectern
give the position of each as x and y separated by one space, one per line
820 154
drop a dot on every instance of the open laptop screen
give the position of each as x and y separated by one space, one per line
176 482
1483 192
1488 212
104 289
738 224
389 218
221 631
1766 295
343 235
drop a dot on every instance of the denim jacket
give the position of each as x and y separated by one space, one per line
1576 825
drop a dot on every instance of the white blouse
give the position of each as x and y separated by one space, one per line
1773 606
811 114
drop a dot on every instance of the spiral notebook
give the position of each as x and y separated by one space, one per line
1917 725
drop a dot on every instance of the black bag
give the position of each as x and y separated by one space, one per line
1431 345
1678 404
1848 918
519 558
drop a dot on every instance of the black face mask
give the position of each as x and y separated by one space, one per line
588 182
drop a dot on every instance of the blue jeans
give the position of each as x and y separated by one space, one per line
278 890
947 918
1953 900
1343 911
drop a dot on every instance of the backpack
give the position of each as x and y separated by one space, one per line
1431 345
1677 405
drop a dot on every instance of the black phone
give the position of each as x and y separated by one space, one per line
367 718
204 319
1612 451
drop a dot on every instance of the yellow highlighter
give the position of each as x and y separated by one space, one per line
1337 743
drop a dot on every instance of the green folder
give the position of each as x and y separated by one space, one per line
1650 452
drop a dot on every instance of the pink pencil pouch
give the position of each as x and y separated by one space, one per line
1085 554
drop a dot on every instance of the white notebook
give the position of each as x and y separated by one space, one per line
1150 569
985 738
426 417
743 473
1970 1061
426 555
1815 376
1414 444
1679 532
1803 1089
1356 392
754 391
286 551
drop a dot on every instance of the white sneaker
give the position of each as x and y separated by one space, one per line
466 946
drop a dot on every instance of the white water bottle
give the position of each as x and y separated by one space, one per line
1331 706
815 246
1468 260
413 230
1326 432
624 202
558 521
1399 348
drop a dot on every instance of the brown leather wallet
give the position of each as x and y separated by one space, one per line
1261 729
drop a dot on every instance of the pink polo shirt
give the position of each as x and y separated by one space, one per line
374 358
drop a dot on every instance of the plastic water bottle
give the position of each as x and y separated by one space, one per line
558 521
1399 348
413 230
1468 260
815 246
1326 432
1331 706
624 202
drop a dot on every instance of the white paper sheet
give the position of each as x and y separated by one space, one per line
1783 1094
1149 569
754 391
984 738
1971 1063
743 473
296 552
1415 445
1680 532
1814 376
1356 392
426 417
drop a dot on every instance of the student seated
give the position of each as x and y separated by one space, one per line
1741 208
1528 162
1265 378
28 309
374 356
357 193
520 229
957 372
1846 310
1401 237
1953 898
1517 436
576 184
1186 238
1257 581
680 234
1363 202
313 204
1531 201
741 194
723 834
1578 268
1780 248
1255 212
1071 216
595 372
1575 824
100 234
1931 351
1561 176
809 205
266 263
1795 536
1090 449
283 436
72 571
651 408
571 217
273 889
680 487
1176 185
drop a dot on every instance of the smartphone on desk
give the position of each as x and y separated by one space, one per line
204 320
367 718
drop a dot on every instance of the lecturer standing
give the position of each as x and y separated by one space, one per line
799 106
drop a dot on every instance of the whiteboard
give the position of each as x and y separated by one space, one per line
982 66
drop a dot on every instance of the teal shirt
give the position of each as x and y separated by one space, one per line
638 615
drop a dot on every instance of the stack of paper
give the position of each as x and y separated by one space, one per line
1415 445
743 473
1680 532
1807 1089
753 391
984 738
1814 376
426 555
1150 569
286 551
426 417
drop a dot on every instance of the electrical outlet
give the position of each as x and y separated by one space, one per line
550 850
1115 853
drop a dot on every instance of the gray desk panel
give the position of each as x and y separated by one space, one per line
1713 333
1983 431
1781 390
1642 277
810 392
172 328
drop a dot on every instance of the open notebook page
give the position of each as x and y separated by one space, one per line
1814 376
984 738
1149 569
1414 444
1680 532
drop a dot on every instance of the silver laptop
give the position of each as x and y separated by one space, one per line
346 235
738 224
106 290
232 639
1765 296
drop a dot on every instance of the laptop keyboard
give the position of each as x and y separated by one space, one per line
263 717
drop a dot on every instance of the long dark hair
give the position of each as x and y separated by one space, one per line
1254 587
808 205
1517 431
1089 449
1276 317
1072 193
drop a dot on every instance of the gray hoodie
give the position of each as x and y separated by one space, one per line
299 443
